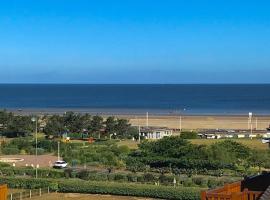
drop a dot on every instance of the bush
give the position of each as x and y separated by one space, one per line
10 151
200 181
189 135
120 177
148 177
163 192
80 186
29 171
3 164
28 183
132 178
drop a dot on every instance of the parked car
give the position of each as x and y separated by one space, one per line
60 164
265 140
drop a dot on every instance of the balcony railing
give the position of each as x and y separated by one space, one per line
231 192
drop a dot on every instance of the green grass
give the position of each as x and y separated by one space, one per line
251 143
130 143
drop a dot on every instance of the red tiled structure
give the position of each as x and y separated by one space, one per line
251 188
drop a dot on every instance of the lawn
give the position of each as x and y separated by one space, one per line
252 143
130 143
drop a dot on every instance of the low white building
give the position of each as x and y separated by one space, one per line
155 132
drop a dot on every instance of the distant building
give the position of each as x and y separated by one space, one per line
155 132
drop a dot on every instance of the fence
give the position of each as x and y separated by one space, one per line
28 194
3 192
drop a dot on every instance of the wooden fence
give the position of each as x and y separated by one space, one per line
3 192
231 192
28 194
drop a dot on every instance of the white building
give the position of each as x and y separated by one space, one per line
155 132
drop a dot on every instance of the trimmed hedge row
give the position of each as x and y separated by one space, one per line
164 192
87 175
80 186
29 183
29 171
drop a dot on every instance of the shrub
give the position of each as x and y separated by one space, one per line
28 183
132 178
3 164
200 181
189 135
83 174
80 186
10 150
164 192
120 177
148 177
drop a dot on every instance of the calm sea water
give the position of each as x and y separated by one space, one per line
166 99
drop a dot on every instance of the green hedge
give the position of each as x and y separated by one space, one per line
29 171
80 186
141 190
29 183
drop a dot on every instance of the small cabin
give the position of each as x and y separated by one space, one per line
155 132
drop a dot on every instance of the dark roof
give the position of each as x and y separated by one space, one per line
266 194
257 183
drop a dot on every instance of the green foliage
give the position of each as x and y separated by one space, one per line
177 153
189 135
29 171
79 186
29 183
15 125
109 155
152 191
10 150
55 126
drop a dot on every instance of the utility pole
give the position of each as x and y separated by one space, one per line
146 119
180 124
256 123
34 119
249 119
58 150
139 133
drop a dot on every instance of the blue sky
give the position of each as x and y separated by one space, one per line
134 41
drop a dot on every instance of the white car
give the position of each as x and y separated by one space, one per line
60 164
265 140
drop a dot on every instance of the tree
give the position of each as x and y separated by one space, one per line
110 125
19 126
122 127
258 158
55 126
96 124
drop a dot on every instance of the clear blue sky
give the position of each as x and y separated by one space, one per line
134 41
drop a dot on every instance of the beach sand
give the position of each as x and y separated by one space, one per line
138 117
202 122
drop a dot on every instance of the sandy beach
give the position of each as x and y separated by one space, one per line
202 122
138 117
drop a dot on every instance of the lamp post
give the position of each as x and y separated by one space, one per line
34 119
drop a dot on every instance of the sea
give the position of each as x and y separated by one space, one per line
160 99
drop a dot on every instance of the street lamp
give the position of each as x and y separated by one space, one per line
34 119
